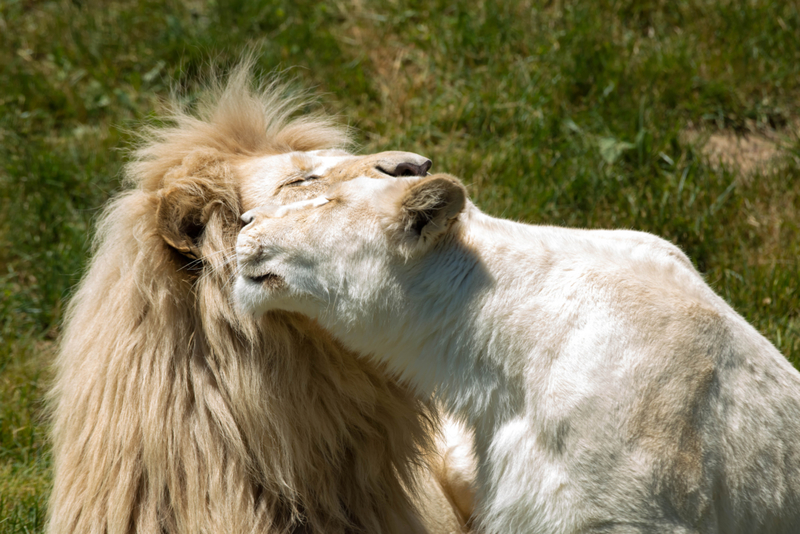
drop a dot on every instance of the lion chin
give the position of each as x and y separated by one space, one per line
175 412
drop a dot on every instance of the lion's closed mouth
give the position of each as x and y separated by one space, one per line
269 280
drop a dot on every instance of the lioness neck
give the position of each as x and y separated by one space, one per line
450 323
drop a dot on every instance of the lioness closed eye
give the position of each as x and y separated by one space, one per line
609 388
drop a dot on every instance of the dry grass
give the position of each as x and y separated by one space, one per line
763 152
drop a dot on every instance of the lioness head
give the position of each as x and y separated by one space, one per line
186 201
343 243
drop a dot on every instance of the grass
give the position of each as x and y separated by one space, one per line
572 113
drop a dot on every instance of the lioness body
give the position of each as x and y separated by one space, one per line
610 389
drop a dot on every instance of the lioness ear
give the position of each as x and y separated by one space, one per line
428 208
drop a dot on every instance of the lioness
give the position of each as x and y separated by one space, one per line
609 388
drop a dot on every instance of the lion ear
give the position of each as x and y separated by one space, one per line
180 217
428 208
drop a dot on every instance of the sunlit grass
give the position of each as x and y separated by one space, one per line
570 114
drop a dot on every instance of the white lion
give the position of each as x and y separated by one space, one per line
172 412
609 388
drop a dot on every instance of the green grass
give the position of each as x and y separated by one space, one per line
567 114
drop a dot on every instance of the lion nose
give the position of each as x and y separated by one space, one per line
268 210
248 217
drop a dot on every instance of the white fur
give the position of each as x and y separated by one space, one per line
609 388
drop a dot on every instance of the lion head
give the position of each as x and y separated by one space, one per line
173 412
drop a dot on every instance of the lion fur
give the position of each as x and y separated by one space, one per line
172 412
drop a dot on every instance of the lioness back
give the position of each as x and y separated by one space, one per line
657 366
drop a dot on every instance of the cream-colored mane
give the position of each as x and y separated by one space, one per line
173 412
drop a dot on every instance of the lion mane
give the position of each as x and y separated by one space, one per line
172 411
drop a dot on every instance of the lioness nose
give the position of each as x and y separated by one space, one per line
401 163
410 169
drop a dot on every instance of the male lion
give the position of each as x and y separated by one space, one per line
610 389
175 413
